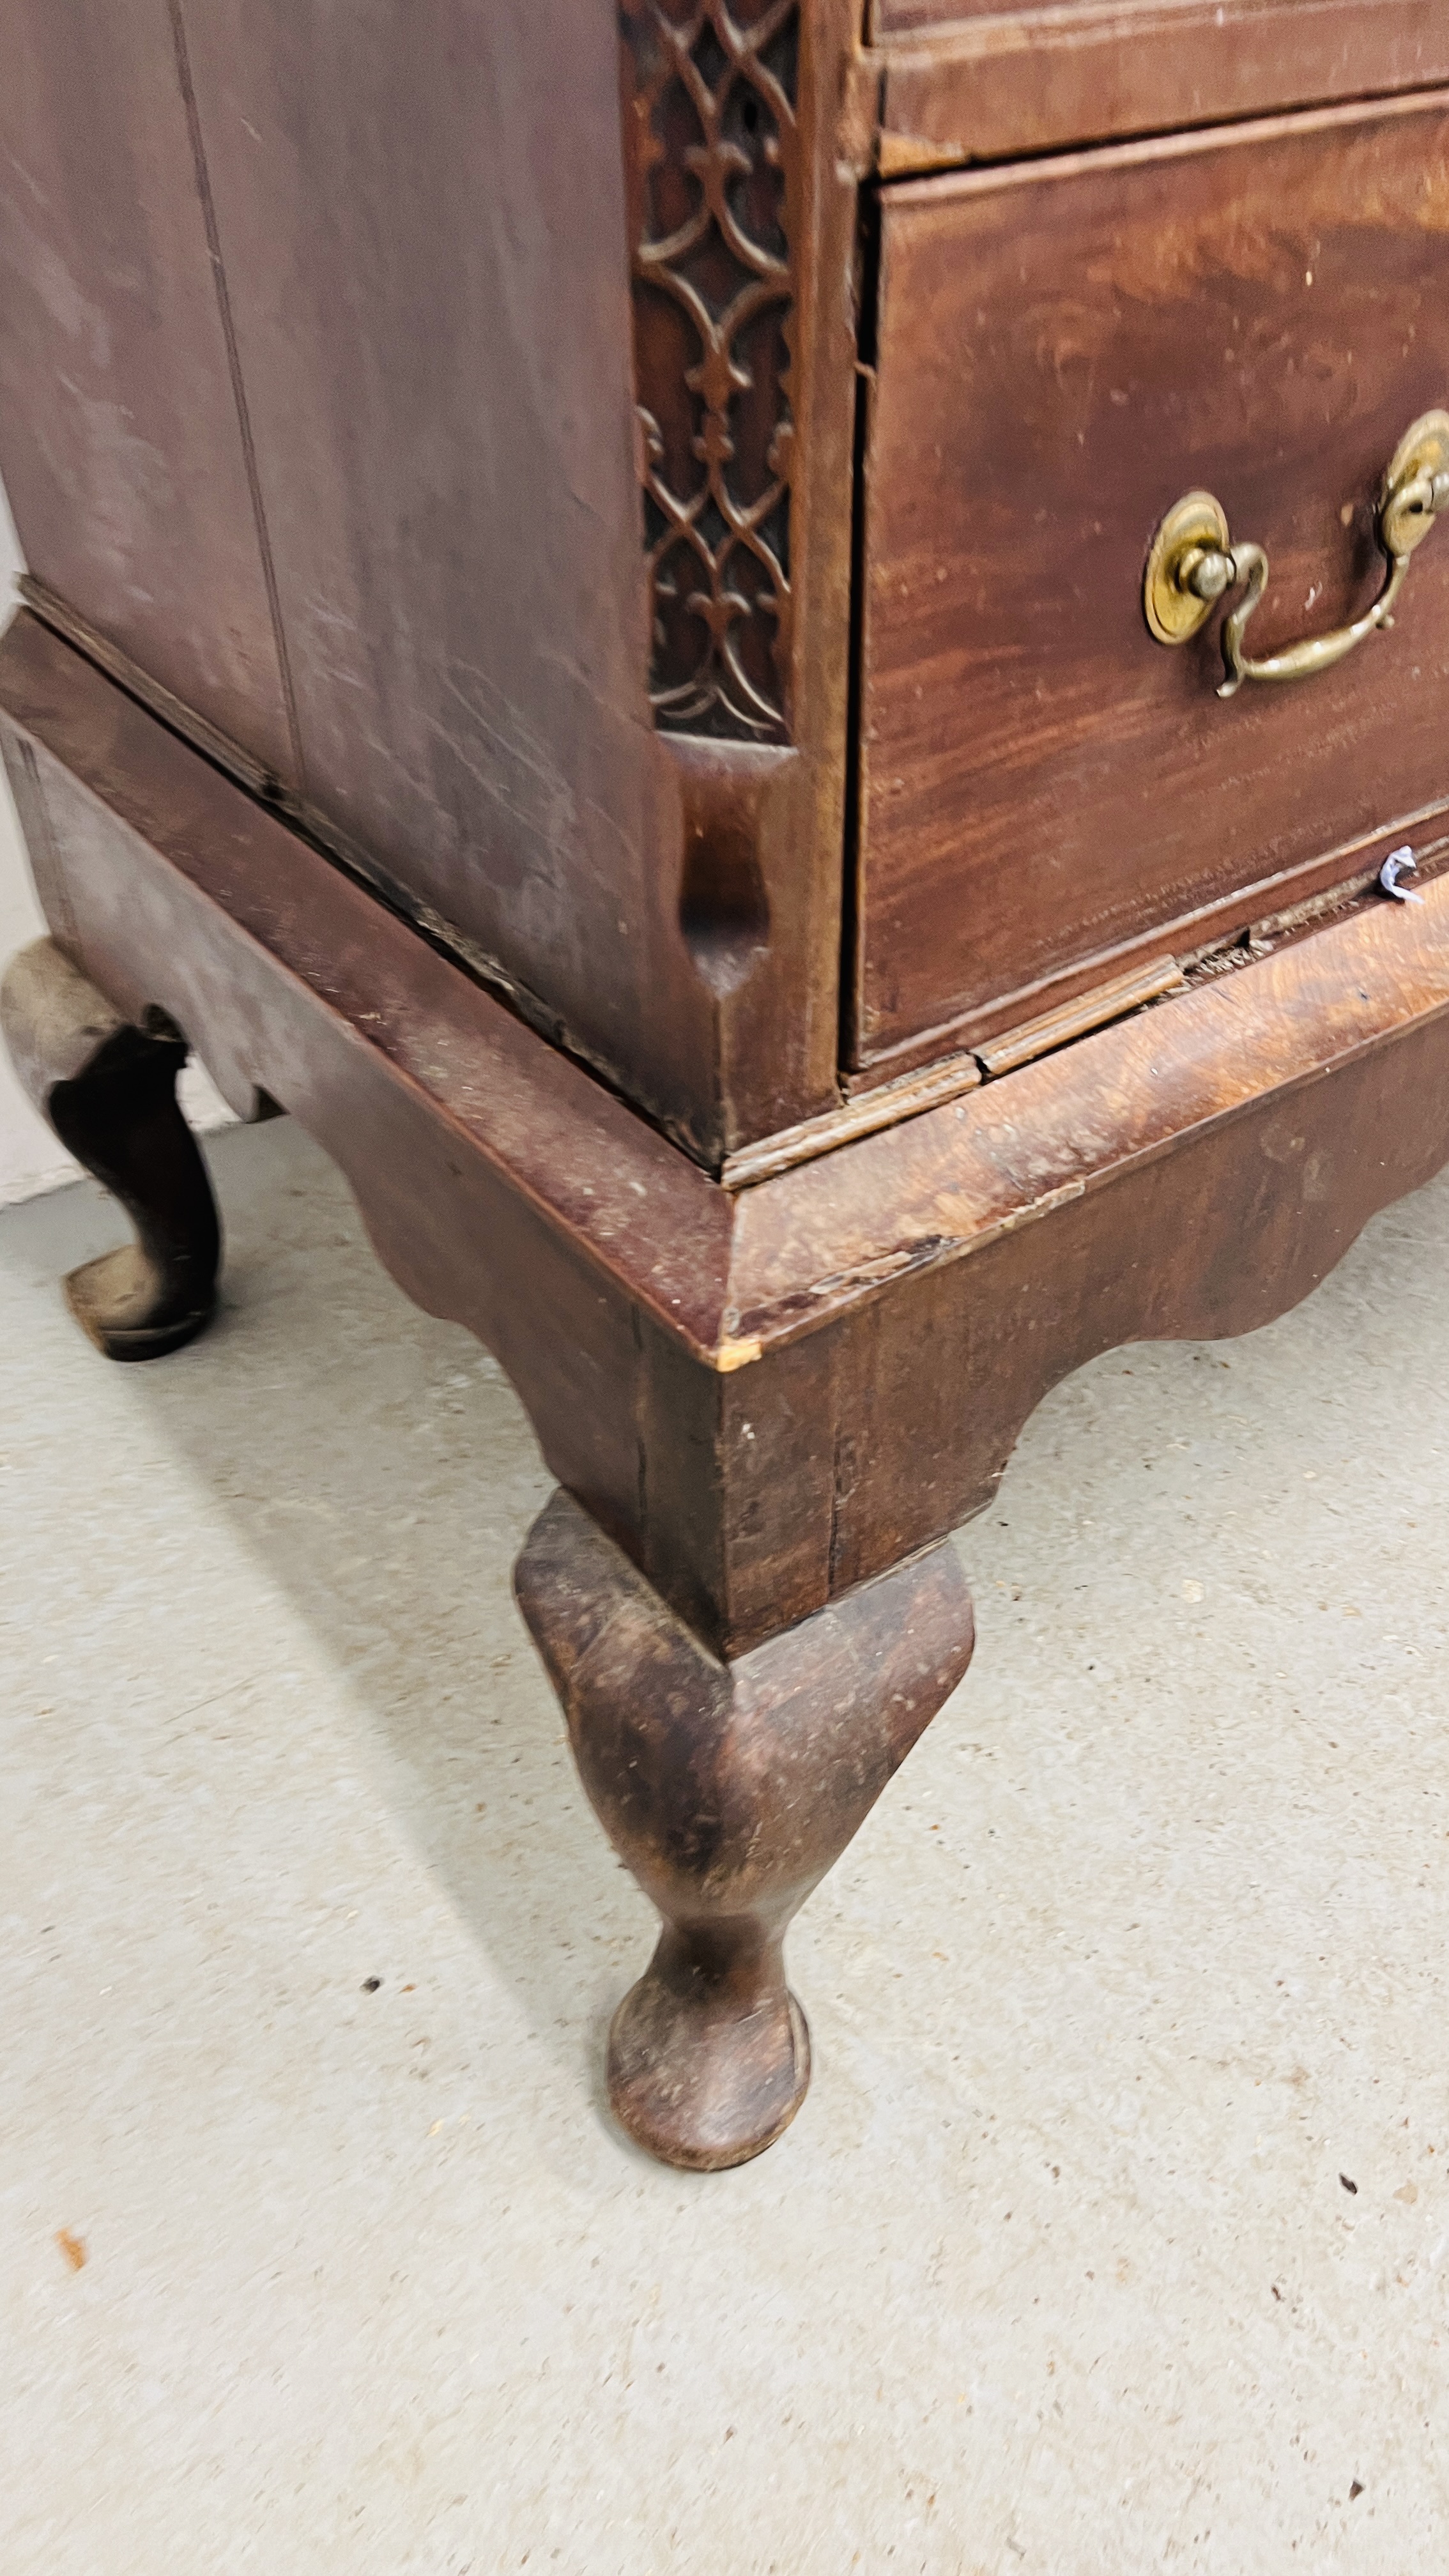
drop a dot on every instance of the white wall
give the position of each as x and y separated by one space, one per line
30 1158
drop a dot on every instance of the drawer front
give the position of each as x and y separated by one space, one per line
1079 71
1064 350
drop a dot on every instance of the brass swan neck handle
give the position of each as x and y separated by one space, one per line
1193 562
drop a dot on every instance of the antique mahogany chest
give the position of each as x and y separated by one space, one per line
786 671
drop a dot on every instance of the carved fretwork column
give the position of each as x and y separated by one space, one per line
713 160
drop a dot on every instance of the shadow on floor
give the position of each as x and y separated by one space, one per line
380 1468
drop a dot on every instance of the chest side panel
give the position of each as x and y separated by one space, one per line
424 242
121 447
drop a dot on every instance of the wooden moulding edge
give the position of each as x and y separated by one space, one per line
953 1180
778 1259
1014 86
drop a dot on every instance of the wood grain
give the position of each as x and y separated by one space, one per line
884 1106
946 1185
963 80
259 893
1064 349
120 445
429 269
431 303
1110 1001
767 1396
320 410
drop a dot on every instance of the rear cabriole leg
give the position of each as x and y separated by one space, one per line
108 1089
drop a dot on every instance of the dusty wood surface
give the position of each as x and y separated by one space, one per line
123 456
430 300
764 1397
1065 349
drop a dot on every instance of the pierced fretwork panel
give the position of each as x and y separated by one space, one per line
714 172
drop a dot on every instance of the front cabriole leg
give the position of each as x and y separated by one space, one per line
109 1091
729 1789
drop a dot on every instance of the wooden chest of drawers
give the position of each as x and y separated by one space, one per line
749 657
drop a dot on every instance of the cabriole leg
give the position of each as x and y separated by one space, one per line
109 1091
728 1789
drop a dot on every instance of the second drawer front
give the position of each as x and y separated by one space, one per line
1064 350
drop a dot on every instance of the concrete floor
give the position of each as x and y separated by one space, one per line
1141 1956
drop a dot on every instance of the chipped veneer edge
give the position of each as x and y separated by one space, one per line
892 1103
885 1107
1077 1019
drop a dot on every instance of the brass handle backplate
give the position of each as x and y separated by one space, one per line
1194 561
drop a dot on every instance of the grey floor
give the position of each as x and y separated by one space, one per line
1141 1956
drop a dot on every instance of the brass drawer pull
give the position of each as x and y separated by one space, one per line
1193 561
